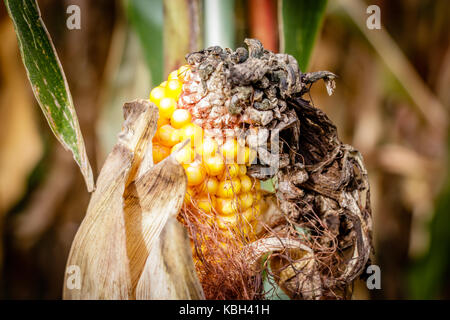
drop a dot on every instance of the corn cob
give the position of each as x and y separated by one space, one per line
218 188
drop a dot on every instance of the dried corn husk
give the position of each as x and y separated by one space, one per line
169 270
125 218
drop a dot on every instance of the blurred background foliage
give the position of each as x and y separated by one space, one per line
391 103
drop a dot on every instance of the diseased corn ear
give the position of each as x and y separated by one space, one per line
99 249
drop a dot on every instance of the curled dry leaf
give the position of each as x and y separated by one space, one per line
301 276
126 215
255 250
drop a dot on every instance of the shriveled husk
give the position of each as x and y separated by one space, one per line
130 235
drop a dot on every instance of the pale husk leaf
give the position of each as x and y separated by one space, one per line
99 248
130 231
150 201
169 270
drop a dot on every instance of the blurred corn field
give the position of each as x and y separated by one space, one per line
391 103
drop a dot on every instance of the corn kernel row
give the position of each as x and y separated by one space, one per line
217 181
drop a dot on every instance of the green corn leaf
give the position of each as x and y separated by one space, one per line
269 185
299 23
48 81
146 18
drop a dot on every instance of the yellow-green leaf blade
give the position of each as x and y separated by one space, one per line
299 22
48 81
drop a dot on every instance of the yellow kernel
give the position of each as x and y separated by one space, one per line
231 171
184 156
214 165
245 155
209 186
157 94
246 200
227 207
159 152
254 225
209 147
229 150
206 203
162 121
173 75
242 170
167 106
257 209
228 221
229 188
163 84
179 118
155 138
248 230
257 184
182 71
246 183
190 193
168 136
193 132
195 173
173 88
248 215
228 234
